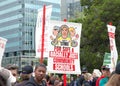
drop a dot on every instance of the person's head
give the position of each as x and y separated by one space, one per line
72 31
57 83
47 77
6 77
13 69
88 76
26 72
55 30
40 72
84 70
96 73
105 70
64 31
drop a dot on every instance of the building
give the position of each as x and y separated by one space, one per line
17 24
70 9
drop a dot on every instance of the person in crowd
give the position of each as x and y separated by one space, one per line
37 80
3 81
72 81
80 79
25 75
114 80
6 77
106 73
47 79
103 69
96 74
13 69
115 77
88 79
53 77
57 83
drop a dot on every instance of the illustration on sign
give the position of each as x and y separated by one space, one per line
64 36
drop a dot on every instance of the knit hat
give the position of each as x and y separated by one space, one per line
117 69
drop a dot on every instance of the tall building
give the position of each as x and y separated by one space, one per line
17 25
70 8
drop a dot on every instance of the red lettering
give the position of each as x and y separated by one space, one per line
111 47
57 48
64 67
2 45
111 35
66 49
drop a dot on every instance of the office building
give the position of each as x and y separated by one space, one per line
17 24
70 9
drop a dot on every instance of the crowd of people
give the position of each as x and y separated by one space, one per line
38 76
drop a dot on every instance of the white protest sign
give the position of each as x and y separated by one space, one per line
64 47
113 49
38 32
2 48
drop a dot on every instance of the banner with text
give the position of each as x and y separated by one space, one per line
38 32
64 47
2 48
113 49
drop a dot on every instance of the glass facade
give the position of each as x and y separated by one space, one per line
17 24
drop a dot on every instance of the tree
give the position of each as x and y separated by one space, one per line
94 39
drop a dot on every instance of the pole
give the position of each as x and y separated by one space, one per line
43 30
64 76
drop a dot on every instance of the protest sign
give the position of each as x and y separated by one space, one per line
64 47
38 31
2 48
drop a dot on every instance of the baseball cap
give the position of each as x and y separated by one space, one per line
84 70
105 67
27 69
56 27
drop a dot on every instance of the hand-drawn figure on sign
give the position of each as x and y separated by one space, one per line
54 35
74 37
64 38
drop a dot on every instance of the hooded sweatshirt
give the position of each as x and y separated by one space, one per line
32 82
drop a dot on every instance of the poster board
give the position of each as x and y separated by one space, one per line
64 47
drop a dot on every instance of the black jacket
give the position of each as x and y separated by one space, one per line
32 82
21 83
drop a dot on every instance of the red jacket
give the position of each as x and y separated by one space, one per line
98 80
